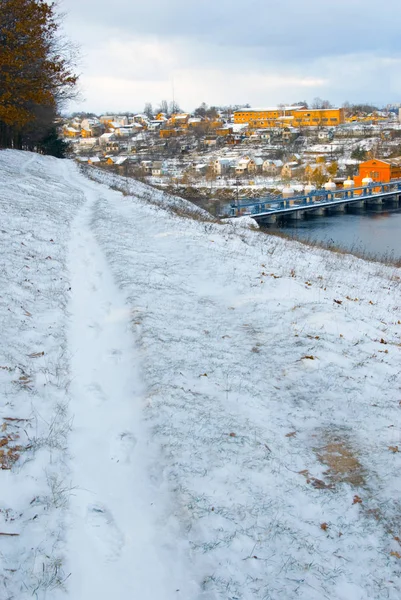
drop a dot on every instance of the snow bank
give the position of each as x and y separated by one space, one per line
244 222
269 382
147 193
264 363
36 206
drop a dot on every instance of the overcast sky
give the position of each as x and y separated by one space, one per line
222 52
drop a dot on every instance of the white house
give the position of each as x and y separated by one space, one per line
272 167
246 164
105 138
221 165
157 168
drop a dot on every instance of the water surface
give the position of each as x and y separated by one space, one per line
374 231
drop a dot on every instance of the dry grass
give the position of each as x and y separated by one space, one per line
10 451
179 209
337 453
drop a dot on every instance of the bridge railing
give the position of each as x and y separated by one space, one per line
275 203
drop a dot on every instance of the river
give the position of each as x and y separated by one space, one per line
374 232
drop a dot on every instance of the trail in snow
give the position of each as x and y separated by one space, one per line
266 364
113 547
270 439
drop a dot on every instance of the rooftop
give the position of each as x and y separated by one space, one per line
270 109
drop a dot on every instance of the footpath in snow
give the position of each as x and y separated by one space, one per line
218 409
114 546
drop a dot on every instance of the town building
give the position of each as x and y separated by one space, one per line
379 170
294 116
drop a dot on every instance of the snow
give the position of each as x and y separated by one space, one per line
113 518
199 382
37 207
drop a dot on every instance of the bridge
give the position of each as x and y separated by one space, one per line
268 209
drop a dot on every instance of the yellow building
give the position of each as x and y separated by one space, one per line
179 120
223 131
285 116
167 133
71 132
327 117
107 119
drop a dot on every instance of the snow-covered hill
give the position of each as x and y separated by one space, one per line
189 409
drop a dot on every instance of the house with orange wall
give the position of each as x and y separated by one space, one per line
167 133
379 170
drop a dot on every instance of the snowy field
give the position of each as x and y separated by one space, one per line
216 414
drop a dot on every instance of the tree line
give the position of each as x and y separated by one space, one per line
36 75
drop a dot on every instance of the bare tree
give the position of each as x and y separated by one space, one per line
319 103
174 107
201 110
163 108
148 110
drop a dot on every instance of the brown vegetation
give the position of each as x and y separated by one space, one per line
35 72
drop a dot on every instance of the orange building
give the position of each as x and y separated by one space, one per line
223 131
379 170
71 132
167 133
295 116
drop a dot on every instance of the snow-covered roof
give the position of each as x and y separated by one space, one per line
88 141
224 161
269 109
238 127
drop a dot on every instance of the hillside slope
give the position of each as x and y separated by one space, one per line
228 402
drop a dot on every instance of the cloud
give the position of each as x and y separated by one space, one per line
295 29
228 52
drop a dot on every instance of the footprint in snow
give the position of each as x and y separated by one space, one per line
122 447
97 328
115 355
97 391
110 540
